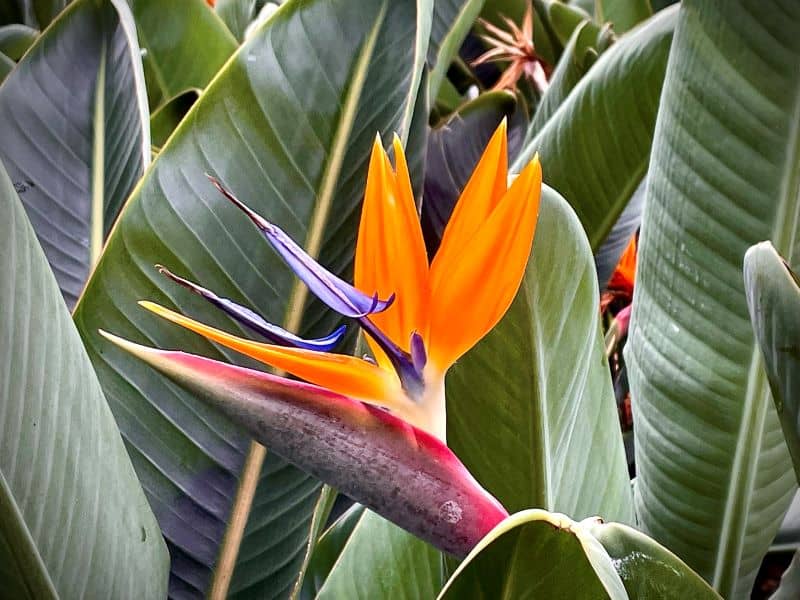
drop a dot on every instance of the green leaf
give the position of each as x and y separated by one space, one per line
773 299
166 118
579 55
647 569
380 560
75 132
184 44
6 66
46 10
565 19
536 554
237 15
74 522
452 20
622 14
584 135
292 139
713 474
16 39
328 549
531 409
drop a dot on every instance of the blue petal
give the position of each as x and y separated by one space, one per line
333 291
250 319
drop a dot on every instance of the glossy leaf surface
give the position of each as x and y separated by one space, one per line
74 521
584 136
184 45
75 129
773 298
537 554
531 409
723 176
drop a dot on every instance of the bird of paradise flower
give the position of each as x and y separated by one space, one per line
418 317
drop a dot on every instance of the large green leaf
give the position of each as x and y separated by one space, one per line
16 39
623 14
237 15
380 560
596 147
714 476
328 549
184 44
536 554
580 53
773 298
6 66
291 138
452 20
531 409
74 522
76 135
647 569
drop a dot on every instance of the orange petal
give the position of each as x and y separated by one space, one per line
390 254
480 196
625 273
344 374
475 289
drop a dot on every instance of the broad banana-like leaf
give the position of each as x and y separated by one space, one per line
773 298
380 560
647 569
452 20
76 134
46 10
584 136
565 18
379 460
237 15
537 554
292 139
579 55
183 43
6 66
713 473
166 118
328 549
531 409
16 39
622 14
74 521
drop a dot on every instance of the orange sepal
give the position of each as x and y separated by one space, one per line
625 273
474 289
390 254
485 188
341 373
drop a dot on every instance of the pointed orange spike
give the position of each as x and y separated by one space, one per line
480 196
341 373
482 280
390 254
624 275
